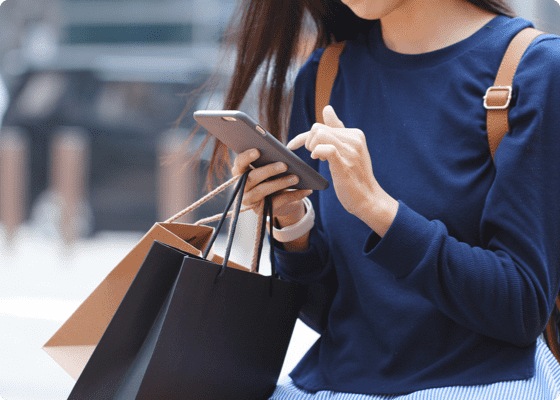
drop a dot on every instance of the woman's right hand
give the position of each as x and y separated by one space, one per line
287 203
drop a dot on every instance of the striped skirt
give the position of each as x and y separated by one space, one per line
545 385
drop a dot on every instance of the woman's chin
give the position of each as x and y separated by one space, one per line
366 10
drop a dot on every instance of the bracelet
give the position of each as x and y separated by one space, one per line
297 230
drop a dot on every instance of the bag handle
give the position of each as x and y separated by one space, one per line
238 195
266 206
255 260
204 199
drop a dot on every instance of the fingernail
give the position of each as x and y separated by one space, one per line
281 167
254 154
293 180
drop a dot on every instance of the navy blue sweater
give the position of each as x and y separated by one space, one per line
463 282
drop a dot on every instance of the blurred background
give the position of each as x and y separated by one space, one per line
90 156
100 84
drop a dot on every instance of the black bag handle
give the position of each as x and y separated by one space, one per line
272 255
240 186
267 211
238 191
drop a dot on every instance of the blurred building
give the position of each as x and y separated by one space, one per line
156 40
120 70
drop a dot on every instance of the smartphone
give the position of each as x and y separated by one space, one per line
239 133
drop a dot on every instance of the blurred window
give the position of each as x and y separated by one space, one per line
129 33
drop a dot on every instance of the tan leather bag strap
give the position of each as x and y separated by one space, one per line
496 101
326 74
497 97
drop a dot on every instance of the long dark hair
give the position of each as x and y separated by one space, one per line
274 35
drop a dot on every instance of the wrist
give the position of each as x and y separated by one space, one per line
297 230
291 217
379 212
301 244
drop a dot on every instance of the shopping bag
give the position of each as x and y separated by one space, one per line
189 328
72 345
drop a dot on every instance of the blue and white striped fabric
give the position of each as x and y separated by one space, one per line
545 385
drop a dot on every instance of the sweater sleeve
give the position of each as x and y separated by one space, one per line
505 288
309 266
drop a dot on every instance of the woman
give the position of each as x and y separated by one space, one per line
446 261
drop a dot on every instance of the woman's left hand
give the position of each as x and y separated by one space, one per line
350 165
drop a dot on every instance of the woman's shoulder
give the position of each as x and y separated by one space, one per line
540 64
308 71
311 65
545 50
536 89
312 61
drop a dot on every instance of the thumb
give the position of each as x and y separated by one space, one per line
330 118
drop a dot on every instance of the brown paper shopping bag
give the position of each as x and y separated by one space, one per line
73 344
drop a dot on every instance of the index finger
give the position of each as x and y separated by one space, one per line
298 141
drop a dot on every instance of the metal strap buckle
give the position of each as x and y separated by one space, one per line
508 88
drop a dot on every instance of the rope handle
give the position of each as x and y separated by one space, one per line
204 199
214 193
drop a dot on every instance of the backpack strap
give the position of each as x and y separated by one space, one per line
496 101
326 74
497 98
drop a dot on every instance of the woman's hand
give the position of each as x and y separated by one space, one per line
287 203
350 165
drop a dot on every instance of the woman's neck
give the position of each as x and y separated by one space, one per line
421 26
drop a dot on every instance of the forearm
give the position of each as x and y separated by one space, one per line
505 294
378 211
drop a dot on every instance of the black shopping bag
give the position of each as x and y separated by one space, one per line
189 329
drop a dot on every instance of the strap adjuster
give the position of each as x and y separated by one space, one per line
508 88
